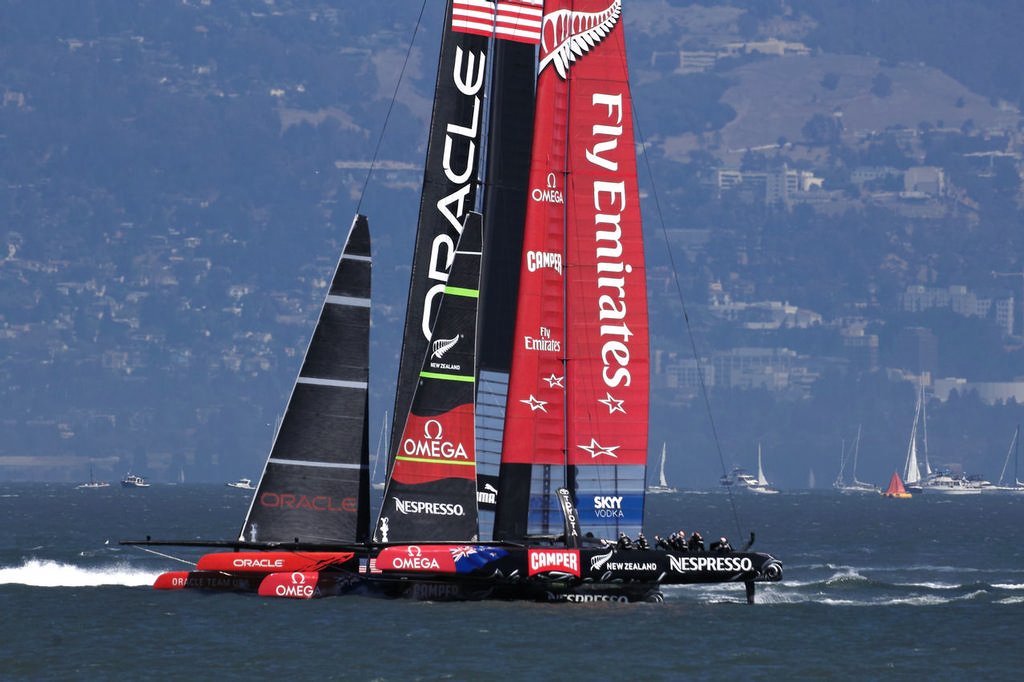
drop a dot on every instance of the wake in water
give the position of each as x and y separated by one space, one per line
46 573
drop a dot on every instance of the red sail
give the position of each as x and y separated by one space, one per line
577 406
581 353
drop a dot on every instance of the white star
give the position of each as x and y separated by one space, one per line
613 404
534 404
597 450
554 381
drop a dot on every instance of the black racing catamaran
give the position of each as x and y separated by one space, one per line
539 299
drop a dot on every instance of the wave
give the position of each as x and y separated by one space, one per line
46 573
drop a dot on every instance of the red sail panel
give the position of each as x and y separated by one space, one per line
535 411
606 289
437 448
583 261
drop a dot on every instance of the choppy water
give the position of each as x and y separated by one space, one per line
930 587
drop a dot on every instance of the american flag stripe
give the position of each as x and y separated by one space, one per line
519 21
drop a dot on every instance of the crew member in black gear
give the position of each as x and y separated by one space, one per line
696 542
625 542
641 542
722 546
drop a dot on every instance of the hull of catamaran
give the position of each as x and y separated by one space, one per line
473 572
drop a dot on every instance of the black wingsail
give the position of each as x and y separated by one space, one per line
509 139
315 486
431 490
449 193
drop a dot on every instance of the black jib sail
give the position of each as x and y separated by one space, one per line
431 491
316 481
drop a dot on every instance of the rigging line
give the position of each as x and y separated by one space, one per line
686 315
391 106
166 556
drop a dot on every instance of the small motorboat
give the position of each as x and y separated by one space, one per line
243 483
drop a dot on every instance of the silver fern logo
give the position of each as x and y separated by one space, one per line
569 35
441 346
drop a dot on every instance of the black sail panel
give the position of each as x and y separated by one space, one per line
449 193
315 486
431 491
510 137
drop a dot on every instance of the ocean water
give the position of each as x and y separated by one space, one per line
926 588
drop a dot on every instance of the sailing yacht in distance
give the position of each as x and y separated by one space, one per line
912 479
856 486
662 485
741 480
1016 486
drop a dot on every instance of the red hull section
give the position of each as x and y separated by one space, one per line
207 580
297 585
432 558
275 562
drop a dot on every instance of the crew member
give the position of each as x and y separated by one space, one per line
696 542
722 546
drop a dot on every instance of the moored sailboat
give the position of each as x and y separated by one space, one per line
662 485
738 479
855 486
572 471
1004 483
93 483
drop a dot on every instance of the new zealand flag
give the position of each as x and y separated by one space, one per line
471 558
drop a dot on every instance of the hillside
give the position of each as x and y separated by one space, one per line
175 180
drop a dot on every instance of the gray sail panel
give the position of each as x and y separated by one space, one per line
315 486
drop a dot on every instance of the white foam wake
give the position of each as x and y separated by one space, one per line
45 573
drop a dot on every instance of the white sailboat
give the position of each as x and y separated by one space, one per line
856 486
1017 486
912 479
662 486
944 481
762 486
740 479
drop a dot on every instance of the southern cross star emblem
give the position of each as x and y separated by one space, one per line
535 404
613 404
554 381
597 450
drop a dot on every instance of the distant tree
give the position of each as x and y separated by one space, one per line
822 130
881 86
